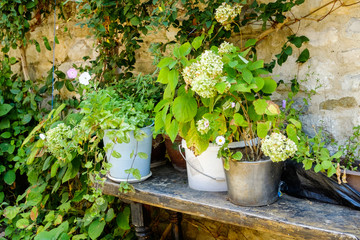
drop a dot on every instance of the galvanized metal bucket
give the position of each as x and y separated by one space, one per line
253 183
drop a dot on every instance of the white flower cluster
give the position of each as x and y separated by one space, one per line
55 139
278 147
204 74
203 126
225 13
226 48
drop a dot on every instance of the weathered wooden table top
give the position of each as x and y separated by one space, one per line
289 216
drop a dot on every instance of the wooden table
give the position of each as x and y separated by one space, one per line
289 216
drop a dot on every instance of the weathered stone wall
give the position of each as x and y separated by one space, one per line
333 66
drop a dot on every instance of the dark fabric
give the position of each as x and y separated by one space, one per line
298 182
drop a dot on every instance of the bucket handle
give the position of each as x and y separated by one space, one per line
220 179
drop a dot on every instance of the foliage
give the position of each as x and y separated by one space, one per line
351 150
109 19
219 93
19 113
64 200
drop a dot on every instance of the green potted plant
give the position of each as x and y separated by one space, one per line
221 98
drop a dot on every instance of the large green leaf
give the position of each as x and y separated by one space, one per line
260 106
185 49
122 219
269 85
96 228
4 109
262 129
163 75
184 108
247 75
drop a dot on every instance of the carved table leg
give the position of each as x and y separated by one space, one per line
175 219
138 217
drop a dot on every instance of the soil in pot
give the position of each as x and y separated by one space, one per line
158 151
175 156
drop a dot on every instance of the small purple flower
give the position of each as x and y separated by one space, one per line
284 104
72 73
232 104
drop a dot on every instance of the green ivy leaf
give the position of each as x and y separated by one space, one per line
331 171
9 177
184 108
96 228
26 119
143 155
304 56
6 135
135 21
46 43
69 86
4 109
239 119
115 154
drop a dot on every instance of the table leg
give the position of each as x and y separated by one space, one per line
139 220
175 219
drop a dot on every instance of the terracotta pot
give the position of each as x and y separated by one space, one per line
353 179
172 149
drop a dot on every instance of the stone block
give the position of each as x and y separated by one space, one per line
353 26
345 102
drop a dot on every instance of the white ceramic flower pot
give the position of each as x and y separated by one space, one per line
119 165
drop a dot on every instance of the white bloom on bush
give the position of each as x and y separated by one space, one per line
278 147
84 78
204 74
42 136
204 86
226 48
211 64
57 138
225 13
220 140
203 126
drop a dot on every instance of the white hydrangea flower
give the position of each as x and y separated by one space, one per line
211 64
203 126
204 86
226 48
225 13
220 140
56 138
278 147
84 78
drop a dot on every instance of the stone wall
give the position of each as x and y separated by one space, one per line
333 65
